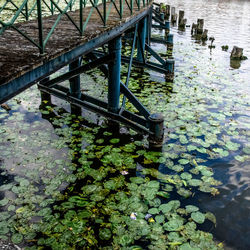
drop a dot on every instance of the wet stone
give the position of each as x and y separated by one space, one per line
8 246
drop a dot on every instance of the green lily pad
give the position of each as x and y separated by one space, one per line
105 234
171 205
246 150
183 161
137 180
4 229
153 211
191 208
114 140
153 184
4 202
159 218
195 182
186 246
24 183
173 224
126 239
4 216
232 146
186 176
210 216
184 192
198 217
16 238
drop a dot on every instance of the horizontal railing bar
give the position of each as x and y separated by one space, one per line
27 10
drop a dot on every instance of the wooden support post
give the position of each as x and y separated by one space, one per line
200 25
167 12
204 35
237 53
181 17
194 29
173 15
182 24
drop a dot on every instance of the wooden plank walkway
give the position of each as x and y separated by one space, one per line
18 56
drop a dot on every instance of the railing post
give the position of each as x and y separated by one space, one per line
131 6
52 8
121 9
104 12
142 33
70 5
26 11
114 75
40 26
81 17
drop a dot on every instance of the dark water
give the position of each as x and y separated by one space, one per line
229 23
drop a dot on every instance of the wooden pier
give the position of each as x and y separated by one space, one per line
31 51
18 56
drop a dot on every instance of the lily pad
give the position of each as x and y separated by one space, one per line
105 234
153 211
4 202
173 224
191 208
159 218
17 238
198 217
4 229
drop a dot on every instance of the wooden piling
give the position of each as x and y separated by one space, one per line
182 24
181 17
167 12
200 25
173 15
194 29
237 53
204 35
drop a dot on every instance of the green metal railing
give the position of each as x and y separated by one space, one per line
14 11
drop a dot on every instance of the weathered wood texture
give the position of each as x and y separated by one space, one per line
18 55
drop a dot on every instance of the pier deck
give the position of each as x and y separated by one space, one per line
20 59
